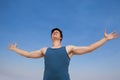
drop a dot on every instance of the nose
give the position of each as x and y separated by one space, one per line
56 31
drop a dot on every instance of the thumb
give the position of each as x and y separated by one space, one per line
15 44
105 31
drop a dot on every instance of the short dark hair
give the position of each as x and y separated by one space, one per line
61 35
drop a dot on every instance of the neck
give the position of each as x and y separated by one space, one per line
56 44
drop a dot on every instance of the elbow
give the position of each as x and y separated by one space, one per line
90 49
28 55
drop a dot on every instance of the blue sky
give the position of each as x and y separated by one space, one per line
29 22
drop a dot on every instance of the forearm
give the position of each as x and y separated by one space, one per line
92 47
97 44
21 52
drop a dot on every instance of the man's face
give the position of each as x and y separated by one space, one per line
56 35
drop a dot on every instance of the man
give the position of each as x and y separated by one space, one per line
57 58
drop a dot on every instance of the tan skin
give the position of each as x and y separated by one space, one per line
56 43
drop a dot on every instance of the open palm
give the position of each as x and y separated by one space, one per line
12 46
110 36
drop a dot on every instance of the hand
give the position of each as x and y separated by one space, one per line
12 46
110 36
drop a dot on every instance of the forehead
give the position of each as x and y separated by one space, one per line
55 31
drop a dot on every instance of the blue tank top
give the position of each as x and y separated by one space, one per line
56 64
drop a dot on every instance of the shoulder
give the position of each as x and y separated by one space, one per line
43 50
69 48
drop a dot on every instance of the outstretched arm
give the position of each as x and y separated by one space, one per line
33 54
92 47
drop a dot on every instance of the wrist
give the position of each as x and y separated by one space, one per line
14 49
106 39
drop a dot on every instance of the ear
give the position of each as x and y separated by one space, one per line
60 37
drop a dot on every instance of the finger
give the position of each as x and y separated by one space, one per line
104 30
113 32
15 44
116 35
9 46
105 34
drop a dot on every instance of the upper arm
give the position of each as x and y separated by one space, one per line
37 54
79 50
